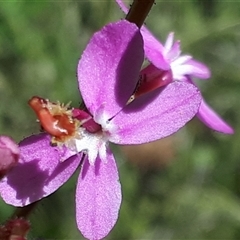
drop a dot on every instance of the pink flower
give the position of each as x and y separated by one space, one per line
108 73
167 65
9 155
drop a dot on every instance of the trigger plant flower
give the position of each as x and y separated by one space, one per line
108 74
167 65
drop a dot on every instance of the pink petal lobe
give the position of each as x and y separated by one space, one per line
174 52
210 118
157 114
108 70
154 50
98 198
169 42
122 6
195 69
39 171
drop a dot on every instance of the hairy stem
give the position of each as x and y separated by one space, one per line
139 11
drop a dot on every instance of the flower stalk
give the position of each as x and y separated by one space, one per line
24 212
139 11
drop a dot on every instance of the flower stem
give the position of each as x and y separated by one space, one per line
139 11
24 211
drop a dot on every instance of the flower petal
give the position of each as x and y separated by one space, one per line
108 70
193 68
91 144
39 171
98 198
122 6
153 49
174 52
210 118
147 119
169 42
181 60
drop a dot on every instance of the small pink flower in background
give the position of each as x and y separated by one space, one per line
167 65
9 155
108 73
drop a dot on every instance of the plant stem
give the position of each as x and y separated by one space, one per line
24 211
139 11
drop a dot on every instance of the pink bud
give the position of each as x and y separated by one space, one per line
9 155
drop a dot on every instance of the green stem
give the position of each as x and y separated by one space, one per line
24 211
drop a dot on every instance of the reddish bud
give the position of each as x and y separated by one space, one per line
152 78
15 229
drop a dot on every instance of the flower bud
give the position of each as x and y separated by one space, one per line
150 79
19 228
153 78
9 155
15 229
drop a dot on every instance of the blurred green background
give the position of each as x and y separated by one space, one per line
184 187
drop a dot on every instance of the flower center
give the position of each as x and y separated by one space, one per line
61 122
